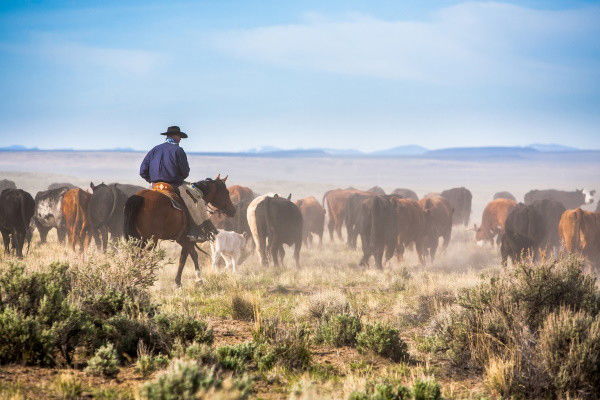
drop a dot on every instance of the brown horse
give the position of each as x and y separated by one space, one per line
150 216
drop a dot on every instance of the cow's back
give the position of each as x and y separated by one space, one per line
550 212
284 220
504 195
16 209
406 194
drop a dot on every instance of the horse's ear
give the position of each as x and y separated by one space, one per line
92 185
289 197
276 196
224 179
218 177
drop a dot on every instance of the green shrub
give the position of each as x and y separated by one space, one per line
68 387
104 362
339 330
146 364
383 391
285 345
496 314
569 348
182 381
426 389
185 329
242 309
236 357
200 352
382 340
23 339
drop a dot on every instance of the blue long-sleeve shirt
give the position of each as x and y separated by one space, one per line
166 162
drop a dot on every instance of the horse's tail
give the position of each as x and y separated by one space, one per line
132 206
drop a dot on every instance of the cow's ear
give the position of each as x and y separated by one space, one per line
289 197
92 185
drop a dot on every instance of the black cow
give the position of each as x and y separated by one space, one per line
524 233
550 211
6 184
352 215
406 194
60 185
378 229
106 211
127 189
460 201
377 190
16 209
568 199
504 195
48 213
278 222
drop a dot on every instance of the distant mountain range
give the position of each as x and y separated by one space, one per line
533 151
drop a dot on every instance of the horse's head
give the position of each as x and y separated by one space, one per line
216 194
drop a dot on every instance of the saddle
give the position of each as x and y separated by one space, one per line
171 192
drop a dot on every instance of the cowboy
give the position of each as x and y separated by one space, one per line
167 163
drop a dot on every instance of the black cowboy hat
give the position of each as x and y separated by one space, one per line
174 130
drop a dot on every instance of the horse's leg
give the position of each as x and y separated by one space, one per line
182 258
194 256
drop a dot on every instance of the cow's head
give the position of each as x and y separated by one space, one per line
589 196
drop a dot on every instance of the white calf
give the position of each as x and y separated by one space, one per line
231 246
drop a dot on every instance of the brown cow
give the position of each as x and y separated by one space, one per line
74 209
336 200
411 227
438 223
313 216
493 220
580 233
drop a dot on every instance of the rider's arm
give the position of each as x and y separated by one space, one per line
145 167
182 162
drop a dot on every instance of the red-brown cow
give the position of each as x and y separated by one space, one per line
580 233
335 200
438 223
493 220
74 209
313 215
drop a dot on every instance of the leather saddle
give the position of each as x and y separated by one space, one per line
171 192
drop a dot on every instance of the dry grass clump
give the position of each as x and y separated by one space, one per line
324 304
242 309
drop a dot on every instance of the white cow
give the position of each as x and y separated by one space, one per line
231 246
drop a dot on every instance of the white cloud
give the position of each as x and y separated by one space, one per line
479 43
78 55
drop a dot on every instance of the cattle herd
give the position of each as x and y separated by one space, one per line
548 221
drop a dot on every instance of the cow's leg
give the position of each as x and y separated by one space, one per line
364 261
400 252
18 240
182 258
214 255
6 240
321 238
433 248
338 228
447 238
330 226
262 250
61 232
297 247
104 237
233 264
274 249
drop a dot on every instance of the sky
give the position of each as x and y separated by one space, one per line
236 75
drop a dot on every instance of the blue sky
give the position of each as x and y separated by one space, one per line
343 74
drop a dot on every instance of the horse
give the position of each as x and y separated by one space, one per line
106 213
150 216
